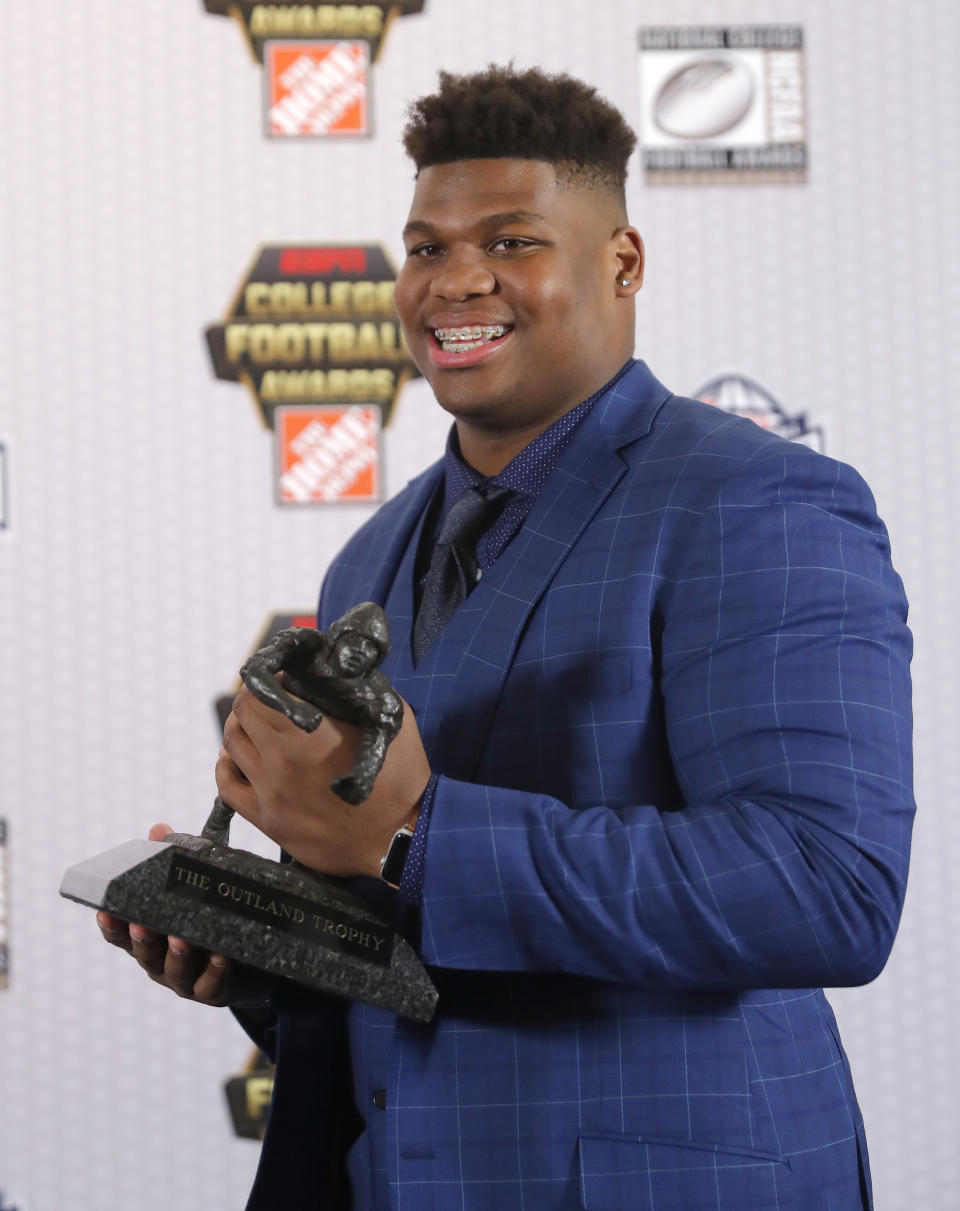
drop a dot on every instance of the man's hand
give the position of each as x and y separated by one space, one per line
208 978
278 777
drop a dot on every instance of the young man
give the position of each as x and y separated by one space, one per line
657 750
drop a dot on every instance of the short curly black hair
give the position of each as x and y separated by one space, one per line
527 115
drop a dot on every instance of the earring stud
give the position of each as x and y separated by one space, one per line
624 281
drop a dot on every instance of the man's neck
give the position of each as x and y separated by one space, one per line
489 452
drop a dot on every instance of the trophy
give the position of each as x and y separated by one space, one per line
281 918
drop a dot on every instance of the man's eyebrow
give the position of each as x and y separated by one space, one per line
514 216
422 227
417 227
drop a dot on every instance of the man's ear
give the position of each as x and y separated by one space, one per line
628 250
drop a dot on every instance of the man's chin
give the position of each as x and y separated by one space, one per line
472 391
482 412
461 398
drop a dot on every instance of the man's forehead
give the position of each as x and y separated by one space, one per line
475 191
473 217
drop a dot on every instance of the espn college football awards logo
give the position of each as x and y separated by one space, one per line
742 396
722 103
316 60
312 333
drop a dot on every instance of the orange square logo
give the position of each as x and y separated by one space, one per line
316 88
328 453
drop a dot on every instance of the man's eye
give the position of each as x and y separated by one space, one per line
424 250
511 243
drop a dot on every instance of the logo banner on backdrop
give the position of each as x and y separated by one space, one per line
316 60
313 335
328 453
722 104
4 919
316 88
248 1097
736 393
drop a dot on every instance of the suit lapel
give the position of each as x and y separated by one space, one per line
471 658
379 567
395 551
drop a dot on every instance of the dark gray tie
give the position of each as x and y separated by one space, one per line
453 570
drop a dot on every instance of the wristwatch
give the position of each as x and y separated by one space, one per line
391 864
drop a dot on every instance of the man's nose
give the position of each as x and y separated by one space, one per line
463 275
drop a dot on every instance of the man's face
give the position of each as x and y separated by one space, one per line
497 246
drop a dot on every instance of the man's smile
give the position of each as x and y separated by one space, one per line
456 348
459 340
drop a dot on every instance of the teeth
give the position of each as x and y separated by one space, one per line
488 333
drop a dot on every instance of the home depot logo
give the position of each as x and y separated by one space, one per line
317 88
328 454
317 60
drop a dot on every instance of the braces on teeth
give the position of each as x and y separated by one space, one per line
469 334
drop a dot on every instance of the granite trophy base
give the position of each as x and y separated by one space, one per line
282 919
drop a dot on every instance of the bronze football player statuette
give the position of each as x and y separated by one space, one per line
334 672
331 672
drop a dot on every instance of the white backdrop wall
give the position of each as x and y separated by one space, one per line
144 551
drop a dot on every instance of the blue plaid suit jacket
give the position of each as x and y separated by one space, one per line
672 725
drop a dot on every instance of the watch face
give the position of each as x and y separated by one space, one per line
391 869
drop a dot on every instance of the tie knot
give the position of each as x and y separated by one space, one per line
472 514
453 570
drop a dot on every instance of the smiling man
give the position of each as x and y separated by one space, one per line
516 294
653 780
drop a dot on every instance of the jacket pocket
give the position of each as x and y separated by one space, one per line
638 1173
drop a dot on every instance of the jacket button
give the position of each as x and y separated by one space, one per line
380 1099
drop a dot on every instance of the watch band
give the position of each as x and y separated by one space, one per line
391 864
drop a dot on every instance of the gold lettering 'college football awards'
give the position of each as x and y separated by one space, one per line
313 335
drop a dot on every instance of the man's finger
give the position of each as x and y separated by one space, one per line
180 966
114 931
229 767
241 749
148 948
211 984
234 788
258 718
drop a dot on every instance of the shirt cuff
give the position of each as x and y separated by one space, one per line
410 888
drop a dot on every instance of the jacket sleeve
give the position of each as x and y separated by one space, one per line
783 669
